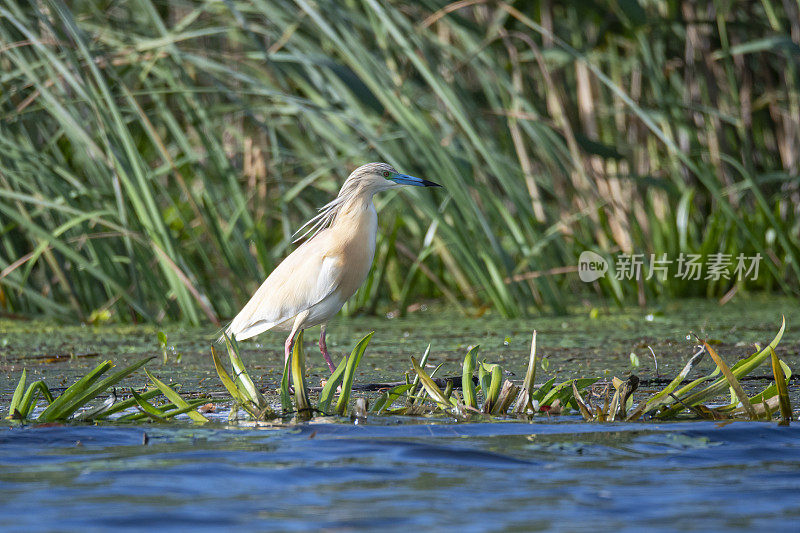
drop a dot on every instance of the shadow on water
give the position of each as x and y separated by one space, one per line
392 476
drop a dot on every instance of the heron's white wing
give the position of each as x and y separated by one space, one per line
303 279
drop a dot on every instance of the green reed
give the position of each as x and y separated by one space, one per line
155 157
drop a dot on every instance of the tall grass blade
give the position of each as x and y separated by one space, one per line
118 152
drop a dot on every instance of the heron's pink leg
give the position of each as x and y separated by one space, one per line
324 349
288 353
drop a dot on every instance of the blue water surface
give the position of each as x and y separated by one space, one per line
383 475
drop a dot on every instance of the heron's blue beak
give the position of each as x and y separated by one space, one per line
402 179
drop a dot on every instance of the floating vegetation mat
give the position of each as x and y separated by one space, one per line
481 391
484 391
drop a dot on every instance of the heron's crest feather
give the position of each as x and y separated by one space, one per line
350 189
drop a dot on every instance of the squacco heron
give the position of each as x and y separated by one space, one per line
312 284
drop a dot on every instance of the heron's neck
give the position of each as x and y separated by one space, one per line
358 217
355 207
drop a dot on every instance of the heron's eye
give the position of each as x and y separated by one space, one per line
385 173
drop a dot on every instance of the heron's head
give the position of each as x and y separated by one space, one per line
376 177
364 182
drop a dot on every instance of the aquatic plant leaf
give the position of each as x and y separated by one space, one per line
386 399
468 369
783 392
740 369
62 404
542 391
627 389
298 360
770 391
242 378
764 409
175 398
587 415
490 376
85 390
732 381
349 373
524 401
124 404
227 382
16 399
162 343
767 409
422 362
611 414
286 396
326 396
175 410
563 391
169 410
508 393
448 389
99 410
100 388
147 408
28 402
430 386
436 370
663 395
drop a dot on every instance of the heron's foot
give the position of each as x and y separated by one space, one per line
291 389
323 382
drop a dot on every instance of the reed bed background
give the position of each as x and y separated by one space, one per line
155 157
